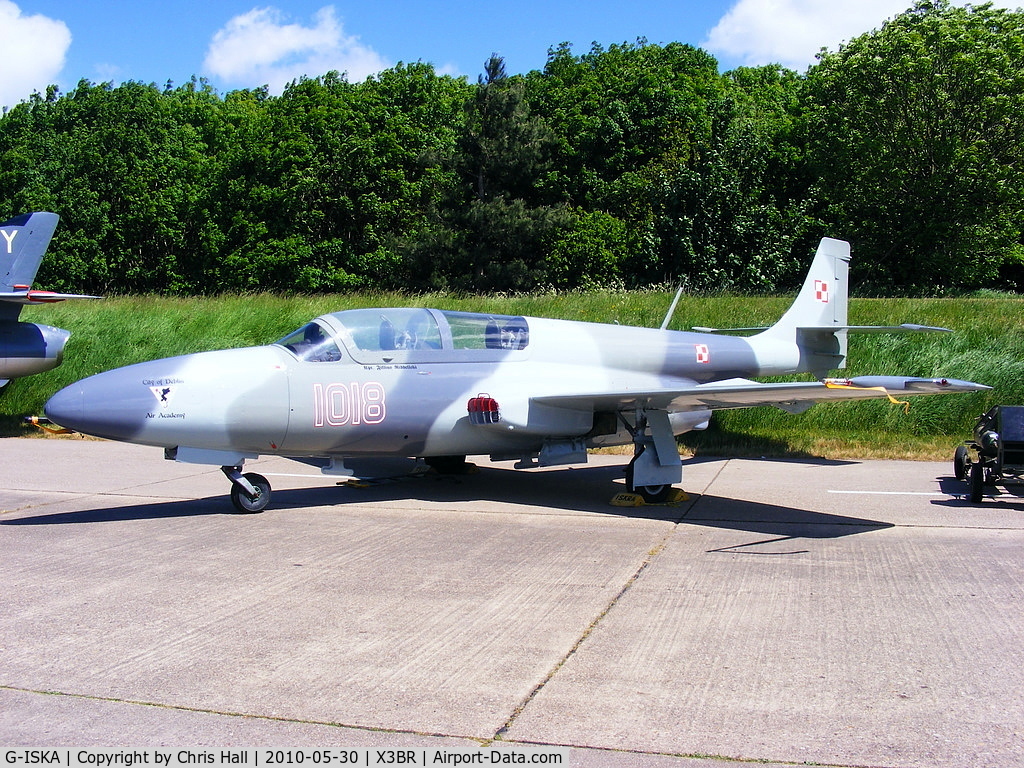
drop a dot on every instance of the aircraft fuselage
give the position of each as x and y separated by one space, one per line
361 399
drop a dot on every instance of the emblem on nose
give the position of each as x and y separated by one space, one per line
163 395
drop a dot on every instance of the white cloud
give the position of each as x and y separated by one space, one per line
449 69
262 47
791 32
33 53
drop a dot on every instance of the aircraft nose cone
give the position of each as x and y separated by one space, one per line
105 405
228 400
65 407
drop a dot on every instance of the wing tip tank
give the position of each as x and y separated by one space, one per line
919 384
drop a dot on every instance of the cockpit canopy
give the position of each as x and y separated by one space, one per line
409 335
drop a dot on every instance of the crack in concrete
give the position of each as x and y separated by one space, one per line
651 556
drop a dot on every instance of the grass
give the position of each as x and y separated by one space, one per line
987 346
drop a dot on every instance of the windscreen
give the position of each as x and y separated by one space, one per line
312 343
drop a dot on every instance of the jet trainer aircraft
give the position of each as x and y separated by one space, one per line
27 348
378 384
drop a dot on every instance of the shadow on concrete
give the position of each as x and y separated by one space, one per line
774 520
1004 495
585 489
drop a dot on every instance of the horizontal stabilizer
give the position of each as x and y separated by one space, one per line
904 328
40 297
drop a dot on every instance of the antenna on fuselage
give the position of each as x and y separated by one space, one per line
671 309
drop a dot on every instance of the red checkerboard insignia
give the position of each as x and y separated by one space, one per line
703 353
821 291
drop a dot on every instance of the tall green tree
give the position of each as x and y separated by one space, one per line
335 174
915 133
737 212
495 229
505 147
617 110
128 169
702 170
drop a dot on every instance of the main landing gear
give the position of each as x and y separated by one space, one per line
655 465
652 494
250 493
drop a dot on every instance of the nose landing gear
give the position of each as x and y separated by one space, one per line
250 493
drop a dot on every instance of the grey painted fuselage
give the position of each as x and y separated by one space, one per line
408 402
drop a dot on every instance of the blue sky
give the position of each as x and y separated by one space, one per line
248 43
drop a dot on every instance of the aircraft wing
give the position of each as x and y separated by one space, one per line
903 328
793 396
39 297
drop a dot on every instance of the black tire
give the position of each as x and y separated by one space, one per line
654 494
977 482
961 462
249 505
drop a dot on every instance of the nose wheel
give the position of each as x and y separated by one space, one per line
250 493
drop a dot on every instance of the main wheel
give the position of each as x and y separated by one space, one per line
247 504
652 494
977 482
961 462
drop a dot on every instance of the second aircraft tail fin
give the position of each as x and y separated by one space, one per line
23 243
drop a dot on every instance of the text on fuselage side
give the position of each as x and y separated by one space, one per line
350 404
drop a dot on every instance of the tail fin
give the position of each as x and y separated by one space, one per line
811 335
23 243
816 320
824 299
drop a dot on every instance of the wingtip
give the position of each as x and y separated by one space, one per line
946 385
919 384
925 328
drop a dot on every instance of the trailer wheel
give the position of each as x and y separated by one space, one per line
961 463
977 482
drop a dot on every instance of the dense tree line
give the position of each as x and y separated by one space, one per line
631 165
